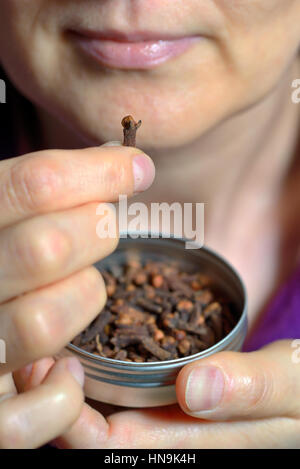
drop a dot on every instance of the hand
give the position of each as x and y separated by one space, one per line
257 406
49 289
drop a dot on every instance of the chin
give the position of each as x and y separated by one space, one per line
168 121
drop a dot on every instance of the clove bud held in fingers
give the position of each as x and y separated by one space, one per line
129 130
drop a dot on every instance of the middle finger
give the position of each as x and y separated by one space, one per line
40 323
47 248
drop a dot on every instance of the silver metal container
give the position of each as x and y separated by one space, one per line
153 383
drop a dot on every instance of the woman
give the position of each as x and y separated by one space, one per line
212 83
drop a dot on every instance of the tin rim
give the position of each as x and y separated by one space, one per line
124 365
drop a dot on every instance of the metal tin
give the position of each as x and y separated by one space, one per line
153 383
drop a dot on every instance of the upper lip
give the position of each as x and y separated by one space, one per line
120 36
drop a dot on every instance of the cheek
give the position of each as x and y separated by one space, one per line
18 19
249 12
263 39
22 46
30 45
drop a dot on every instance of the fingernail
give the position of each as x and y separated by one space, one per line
113 143
76 370
143 172
204 389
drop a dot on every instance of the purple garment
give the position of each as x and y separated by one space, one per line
281 319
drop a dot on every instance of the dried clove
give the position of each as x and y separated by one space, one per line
129 130
157 311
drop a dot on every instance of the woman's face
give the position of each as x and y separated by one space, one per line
243 49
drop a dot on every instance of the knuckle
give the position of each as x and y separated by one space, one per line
111 173
259 390
41 250
41 325
71 400
223 358
115 176
93 288
114 241
255 384
38 329
32 184
107 229
11 434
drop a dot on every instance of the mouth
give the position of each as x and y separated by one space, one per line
138 50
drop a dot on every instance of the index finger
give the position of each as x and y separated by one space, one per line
51 180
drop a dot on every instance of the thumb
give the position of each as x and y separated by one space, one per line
233 385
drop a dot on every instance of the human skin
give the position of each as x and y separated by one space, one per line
242 41
235 78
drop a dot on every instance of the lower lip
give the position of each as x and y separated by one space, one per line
133 55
